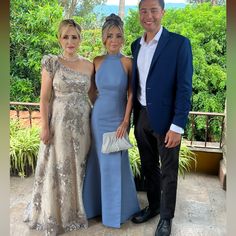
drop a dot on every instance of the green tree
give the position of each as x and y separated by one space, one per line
91 21
79 7
33 33
213 2
132 30
86 6
91 45
22 90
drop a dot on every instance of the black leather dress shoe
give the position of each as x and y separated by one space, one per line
144 215
163 227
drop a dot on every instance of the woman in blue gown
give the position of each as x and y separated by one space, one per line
109 188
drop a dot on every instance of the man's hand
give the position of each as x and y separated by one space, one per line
172 139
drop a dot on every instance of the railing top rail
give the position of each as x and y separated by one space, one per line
25 103
191 112
206 113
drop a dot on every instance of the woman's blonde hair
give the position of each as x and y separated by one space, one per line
112 21
68 23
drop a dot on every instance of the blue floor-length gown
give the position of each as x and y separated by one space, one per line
109 188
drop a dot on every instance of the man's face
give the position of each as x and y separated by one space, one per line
151 13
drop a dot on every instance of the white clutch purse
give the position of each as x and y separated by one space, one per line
112 144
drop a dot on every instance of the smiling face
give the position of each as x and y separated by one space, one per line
69 40
114 40
151 14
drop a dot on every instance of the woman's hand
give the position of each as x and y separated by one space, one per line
120 132
45 136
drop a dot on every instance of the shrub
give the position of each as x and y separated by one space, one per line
22 90
186 157
24 146
134 157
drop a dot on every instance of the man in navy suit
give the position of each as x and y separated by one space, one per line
162 88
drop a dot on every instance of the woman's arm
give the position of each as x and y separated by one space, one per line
125 124
93 89
45 96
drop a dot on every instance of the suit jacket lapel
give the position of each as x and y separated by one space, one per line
135 59
137 51
161 44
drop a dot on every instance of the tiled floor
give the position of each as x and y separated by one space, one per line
200 211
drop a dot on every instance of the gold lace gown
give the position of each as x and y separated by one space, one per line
56 206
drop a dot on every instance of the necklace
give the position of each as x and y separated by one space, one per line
72 59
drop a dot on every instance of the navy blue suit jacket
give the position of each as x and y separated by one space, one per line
169 82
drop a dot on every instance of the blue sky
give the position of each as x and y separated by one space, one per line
135 2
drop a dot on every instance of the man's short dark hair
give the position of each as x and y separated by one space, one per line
161 2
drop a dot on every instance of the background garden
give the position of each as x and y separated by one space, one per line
33 34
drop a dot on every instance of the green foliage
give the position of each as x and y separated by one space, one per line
134 157
91 45
86 6
33 33
21 90
186 157
132 30
79 7
215 2
24 146
91 21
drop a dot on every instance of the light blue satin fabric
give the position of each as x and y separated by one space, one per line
109 188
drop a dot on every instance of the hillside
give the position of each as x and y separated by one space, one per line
108 9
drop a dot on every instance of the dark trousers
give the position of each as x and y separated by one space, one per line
159 166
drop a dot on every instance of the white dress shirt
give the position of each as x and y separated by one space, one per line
145 56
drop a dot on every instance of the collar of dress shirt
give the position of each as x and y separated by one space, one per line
155 39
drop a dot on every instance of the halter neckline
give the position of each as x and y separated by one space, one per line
114 56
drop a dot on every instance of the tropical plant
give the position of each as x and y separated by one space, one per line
187 158
134 157
24 146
